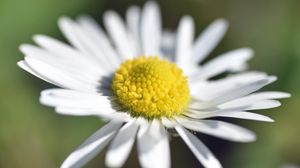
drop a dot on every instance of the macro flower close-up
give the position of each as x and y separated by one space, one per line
149 84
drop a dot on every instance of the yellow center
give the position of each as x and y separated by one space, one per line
150 87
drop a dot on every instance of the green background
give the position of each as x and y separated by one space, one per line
32 135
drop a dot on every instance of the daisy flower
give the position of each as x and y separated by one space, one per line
146 82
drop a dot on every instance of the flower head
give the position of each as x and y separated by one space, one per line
143 80
151 88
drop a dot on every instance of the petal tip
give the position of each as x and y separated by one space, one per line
20 64
23 48
272 79
222 22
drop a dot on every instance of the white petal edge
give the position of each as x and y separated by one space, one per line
202 153
121 146
230 61
151 29
234 93
70 30
74 67
209 39
260 105
153 146
65 97
92 146
133 18
57 77
66 54
119 35
79 38
264 104
210 88
184 41
119 116
70 102
255 97
231 114
101 39
24 66
219 129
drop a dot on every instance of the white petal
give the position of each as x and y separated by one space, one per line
78 103
72 94
245 115
185 37
219 129
119 34
241 78
78 37
269 95
101 113
81 111
70 67
256 101
231 114
92 146
254 98
151 29
209 39
121 146
153 146
259 105
92 49
50 79
208 88
168 123
231 94
133 16
100 38
70 31
55 46
23 65
66 54
202 153
230 61
63 97
263 104
56 76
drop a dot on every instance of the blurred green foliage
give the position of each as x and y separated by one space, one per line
34 136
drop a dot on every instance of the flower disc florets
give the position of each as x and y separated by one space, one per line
151 88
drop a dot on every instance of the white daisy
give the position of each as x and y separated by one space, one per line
145 81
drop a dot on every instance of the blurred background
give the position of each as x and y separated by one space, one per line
32 135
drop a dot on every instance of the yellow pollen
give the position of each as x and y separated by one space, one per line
150 87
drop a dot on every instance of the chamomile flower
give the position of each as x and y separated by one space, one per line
145 81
